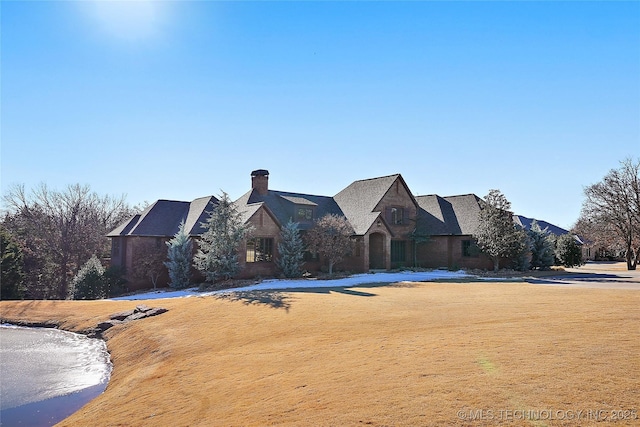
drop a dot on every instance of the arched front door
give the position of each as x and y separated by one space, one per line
376 251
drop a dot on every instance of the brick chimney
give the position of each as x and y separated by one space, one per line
260 181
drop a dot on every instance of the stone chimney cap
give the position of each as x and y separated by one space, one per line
260 172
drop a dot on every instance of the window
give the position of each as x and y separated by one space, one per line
304 214
260 249
470 249
397 216
398 250
309 256
115 247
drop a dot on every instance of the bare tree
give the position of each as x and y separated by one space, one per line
611 211
331 238
61 230
150 255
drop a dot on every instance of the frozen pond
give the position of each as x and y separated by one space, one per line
47 374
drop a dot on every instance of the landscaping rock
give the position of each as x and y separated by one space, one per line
142 308
140 312
155 311
103 326
122 315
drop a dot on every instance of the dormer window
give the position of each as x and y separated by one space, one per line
304 214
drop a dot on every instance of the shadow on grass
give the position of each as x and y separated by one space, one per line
281 298
271 298
583 277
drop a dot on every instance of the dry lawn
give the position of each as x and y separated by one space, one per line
403 355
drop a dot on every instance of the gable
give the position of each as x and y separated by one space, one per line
397 195
363 200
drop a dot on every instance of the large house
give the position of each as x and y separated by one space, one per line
392 228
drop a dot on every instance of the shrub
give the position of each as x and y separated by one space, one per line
90 281
568 251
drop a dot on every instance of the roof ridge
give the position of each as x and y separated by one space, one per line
279 193
377 177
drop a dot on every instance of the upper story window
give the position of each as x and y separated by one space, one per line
304 214
397 216
260 249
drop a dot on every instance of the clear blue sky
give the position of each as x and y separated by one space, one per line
178 100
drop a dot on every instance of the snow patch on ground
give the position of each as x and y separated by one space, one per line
278 284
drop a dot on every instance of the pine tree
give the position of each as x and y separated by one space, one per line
179 255
217 256
521 257
291 250
568 252
542 247
497 235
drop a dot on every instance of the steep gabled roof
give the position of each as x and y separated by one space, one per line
247 211
282 205
359 200
163 218
199 211
454 215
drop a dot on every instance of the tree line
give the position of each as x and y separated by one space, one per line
47 235
609 223
54 245
501 239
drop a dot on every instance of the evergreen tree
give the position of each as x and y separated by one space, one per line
217 256
179 255
12 276
90 281
291 250
521 257
542 247
497 235
568 251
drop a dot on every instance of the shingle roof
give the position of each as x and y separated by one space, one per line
360 198
453 215
163 218
457 215
247 211
525 223
282 204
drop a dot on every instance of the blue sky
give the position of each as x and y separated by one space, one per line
178 100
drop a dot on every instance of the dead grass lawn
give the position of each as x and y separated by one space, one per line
408 355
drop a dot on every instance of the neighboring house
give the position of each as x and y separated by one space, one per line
587 247
390 227
525 223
